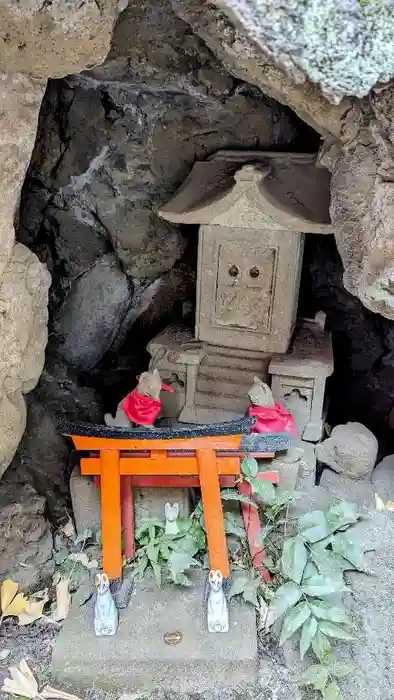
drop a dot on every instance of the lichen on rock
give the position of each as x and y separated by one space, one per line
345 46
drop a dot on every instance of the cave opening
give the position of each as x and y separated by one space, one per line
113 145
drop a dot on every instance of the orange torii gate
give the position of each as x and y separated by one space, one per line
207 457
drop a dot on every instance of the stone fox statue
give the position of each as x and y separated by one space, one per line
141 406
106 616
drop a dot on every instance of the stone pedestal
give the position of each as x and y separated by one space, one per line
177 356
138 658
299 378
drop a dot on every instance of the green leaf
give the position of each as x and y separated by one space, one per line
316 675
307 635
332 692
322 648
324 611
309 571
186 544
313 526
340 669
165 551
179 561
181 580
319 585
140 567
233 525
249 593
329 562
157 572
233 495
284 496
321 545
315 534
146 524
284 598
335 631
250 467
294 558
237 586
61 555
293 621
264 490
345 546
152 552
340 514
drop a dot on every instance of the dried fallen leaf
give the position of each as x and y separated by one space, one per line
17 606
263 610
68 529
93 564
22 681
8 591
381 505
48 693
33 612
4 653
62 600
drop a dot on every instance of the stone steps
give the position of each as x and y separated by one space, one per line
208 385
234 374
257 365
225 403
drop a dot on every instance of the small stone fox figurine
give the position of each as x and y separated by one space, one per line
171 512
217 611
106 616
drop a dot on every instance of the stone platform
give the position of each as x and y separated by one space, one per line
138 658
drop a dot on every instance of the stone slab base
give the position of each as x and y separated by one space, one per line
138 658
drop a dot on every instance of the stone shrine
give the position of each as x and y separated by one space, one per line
253 209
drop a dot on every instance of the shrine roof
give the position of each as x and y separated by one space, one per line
254 189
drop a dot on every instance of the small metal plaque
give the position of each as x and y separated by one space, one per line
173 638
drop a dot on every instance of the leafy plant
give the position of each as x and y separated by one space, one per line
308 566
168 556
311 569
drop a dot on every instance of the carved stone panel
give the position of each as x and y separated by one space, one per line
244 286
247 287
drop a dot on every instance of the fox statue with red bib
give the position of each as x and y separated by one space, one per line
142 406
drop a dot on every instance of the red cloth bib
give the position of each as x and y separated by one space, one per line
272 420
141 409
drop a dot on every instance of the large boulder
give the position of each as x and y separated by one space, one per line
47 38
23 335
350 450
345 47
92 314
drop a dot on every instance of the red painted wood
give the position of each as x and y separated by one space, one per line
128 521
253 528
